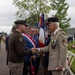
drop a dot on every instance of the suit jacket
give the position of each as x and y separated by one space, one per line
57 50
29 45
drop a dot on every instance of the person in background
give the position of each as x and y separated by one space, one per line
6 42
16 48
74 36
0 42
36 39
46 57
37 33
30 43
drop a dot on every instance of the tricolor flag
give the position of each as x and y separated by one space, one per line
41 31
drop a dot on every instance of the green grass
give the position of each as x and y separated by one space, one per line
73 66
72 50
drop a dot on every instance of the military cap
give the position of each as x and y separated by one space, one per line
52 19
21 22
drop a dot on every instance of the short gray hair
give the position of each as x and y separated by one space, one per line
57 24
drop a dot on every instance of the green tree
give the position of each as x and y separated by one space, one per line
32 20
61 7
27 8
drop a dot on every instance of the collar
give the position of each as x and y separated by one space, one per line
56 30
18 31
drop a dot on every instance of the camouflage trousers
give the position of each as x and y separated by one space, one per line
16 68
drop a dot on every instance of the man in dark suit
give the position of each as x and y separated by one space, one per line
31 41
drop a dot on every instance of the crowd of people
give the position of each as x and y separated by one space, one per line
24 51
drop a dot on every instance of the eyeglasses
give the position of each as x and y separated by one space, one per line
26 25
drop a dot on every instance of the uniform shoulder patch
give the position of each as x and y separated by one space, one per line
20 39
63 41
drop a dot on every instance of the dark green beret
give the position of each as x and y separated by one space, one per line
21 22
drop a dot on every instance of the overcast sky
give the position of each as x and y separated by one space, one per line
8 10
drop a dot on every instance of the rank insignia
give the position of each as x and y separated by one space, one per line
53 44
20 39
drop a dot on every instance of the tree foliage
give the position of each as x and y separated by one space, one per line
61 7
28 8
32 20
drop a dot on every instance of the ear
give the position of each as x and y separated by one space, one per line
54 26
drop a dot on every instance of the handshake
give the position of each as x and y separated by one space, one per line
34 50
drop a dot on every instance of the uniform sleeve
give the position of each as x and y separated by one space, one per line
20 46
27 47
44 49
62 48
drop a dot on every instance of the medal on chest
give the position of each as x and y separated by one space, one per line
53 43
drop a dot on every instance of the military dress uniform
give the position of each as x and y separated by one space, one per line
57 52
16 52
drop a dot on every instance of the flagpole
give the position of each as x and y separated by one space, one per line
42 33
